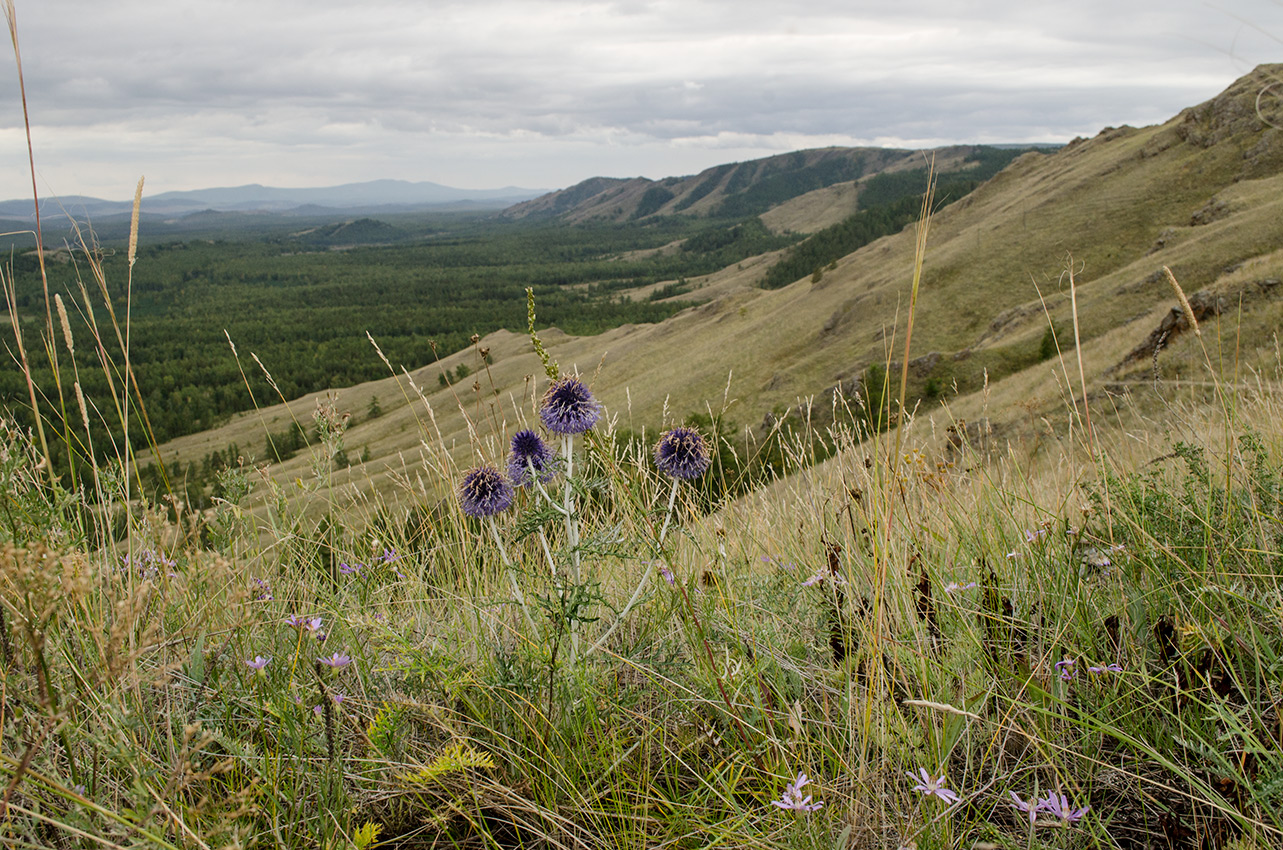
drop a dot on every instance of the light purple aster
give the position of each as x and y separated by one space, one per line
1108 668
953 587
337 660
682 453
1065 669
257 663
568 407
485 492
1058 807
1030 809
531 458
933 786
792 797
667 574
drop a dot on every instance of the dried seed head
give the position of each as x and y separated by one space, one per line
1184 302
66 325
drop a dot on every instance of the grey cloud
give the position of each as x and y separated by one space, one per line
253 81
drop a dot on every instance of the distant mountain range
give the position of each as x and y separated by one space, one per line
368 197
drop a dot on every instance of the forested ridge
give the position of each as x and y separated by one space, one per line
305 312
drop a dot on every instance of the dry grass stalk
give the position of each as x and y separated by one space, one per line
1184 302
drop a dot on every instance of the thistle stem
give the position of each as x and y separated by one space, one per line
512 576
641 585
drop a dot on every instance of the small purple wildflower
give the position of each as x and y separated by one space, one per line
568 407
1108 668
318 709
347 569
682 453
337 661
311 624
1065 669
257 663
485 492
953 587
667 574
1058 807
389 555
1029 808
338 697
1013 555
1034 535
933 786
531 459
792 797
264 590
824 574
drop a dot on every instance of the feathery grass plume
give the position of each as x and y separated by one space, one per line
1184 302
133 223
80 401
66 325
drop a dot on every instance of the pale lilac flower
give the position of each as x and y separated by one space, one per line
667 574
824 574
265 590
1032 536
1065 669
337 660
953 587
350 569
257 663
318 709
389 555
933 786
338 697
1058 807
1108 668
1013 555
1030 808
792 797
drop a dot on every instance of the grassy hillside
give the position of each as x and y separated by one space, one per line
1200 194
1056 624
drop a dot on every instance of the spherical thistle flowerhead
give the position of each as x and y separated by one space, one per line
682 453
568 407
484 492
529 452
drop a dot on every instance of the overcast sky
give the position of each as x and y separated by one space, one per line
544 93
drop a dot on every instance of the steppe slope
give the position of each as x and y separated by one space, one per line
1202 193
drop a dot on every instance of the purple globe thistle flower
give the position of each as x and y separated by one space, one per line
682 453
485 492
568 407
529 453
